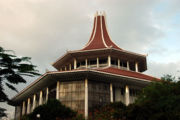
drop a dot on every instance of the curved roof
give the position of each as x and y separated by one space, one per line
100 37
128 73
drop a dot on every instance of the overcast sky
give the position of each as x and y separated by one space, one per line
46 29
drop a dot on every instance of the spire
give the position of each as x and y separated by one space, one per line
100 37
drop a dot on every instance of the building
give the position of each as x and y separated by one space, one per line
98 74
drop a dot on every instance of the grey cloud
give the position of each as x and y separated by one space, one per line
45 29
159 69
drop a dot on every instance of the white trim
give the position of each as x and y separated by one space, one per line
127 95
128 68
111 93
102 33
94 33
109 60
24 108
104 14
28 105
57 90
40 97
119 63
86 99
34 101
136 67
47 94
97 62
69 66
75 63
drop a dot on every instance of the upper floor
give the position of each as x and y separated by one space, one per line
100 51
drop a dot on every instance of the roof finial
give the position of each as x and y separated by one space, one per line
103 13
96 14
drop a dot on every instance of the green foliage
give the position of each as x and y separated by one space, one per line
12 70
158 101
53 110
113 111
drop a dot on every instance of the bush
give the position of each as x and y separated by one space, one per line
52 110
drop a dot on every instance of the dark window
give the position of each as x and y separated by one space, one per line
123 64
78 64
102 61
83 63
114 62
92 62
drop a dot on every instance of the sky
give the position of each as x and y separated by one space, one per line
46 29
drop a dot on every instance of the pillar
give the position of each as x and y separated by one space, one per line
86 99
97 62
75 63
57 91
109 61
136 67
24 108
127 95
40 97
28 106
111 93
128 65
47 93
34 101
118 63
86 63
69 66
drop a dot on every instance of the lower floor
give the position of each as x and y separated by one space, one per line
81 95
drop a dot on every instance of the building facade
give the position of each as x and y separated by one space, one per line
98 74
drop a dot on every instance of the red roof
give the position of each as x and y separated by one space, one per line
100 37
128 73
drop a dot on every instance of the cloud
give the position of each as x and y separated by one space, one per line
160 69
45 29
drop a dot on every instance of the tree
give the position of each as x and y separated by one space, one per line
112 111
53 110
158 101
12 70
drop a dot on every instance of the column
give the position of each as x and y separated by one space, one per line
57 91
28 106
128 65
86 63
109 61
97 62
69 66
24 108
86 99
136 67
47 93
75 63
34 101
118 63
127 95
111 93
40 97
